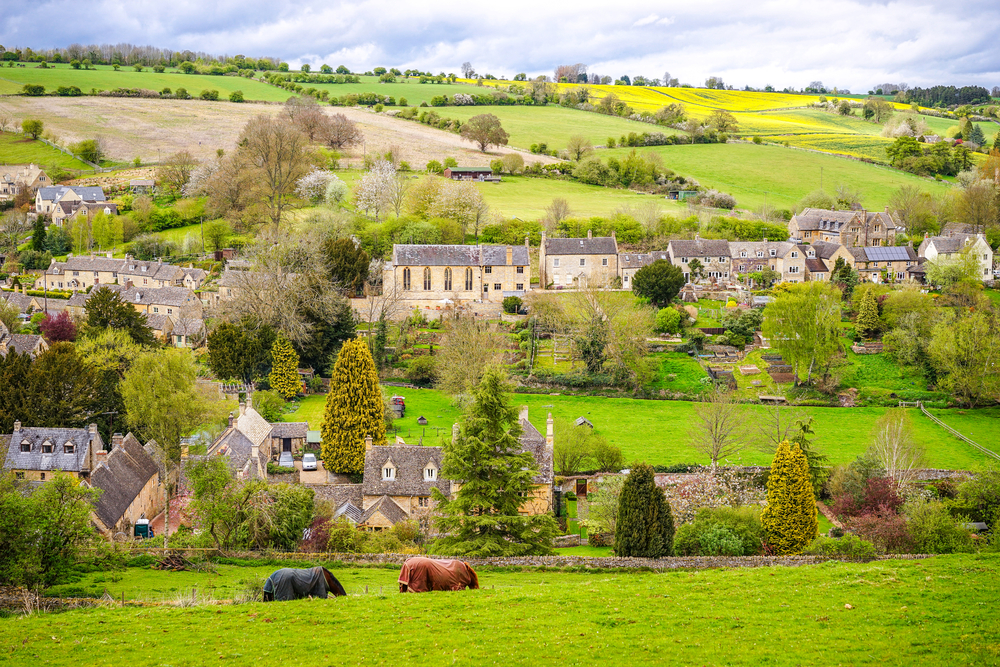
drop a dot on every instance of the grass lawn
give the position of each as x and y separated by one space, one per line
657 432
19 149
934 611
596 552
412 90
748 171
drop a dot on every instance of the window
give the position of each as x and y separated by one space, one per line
170 311
583 261
497 287
899 275
427 279
743 253
722 260
47 448
604 261
95 274
389 473
760 253
447 279
874 264
520 286
423 501
555 263
19 475
774 253
26 446
145 281
430 474
625 278
406 279
489 269
69 448
811 253
684 260
793 269
743 267
795 254
878 228
708 259
468 280
156 309
520 269
43 476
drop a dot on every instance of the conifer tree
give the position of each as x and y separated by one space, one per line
354 409
645 526
495 474
790 516
284 377
868 323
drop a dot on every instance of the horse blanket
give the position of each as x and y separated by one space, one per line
293 584
420 575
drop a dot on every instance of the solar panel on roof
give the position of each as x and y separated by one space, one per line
887 253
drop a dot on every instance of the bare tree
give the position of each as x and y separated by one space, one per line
14 227
721 427
469 347
777 423
556 211
893 445
649 215
6 120
279 154
339 131
305 114
175 172
579 147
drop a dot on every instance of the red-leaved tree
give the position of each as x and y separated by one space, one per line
59 328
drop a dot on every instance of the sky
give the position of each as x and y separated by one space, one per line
849 44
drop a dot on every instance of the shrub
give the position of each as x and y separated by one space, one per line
274 469
434 167
209 95
236 96
983 492
422 370
269 404
645 526
849 547
512 304
886 530
934 530
668 320
727 531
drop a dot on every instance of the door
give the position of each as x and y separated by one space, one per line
581 488
286 444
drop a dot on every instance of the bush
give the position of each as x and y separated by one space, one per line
269 404
934 530
512 304
211 95
721 531
668 320
422 370
236 96
849 547
274 469
886 530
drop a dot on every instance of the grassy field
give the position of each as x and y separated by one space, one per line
748 171
18 149
934 611
658 431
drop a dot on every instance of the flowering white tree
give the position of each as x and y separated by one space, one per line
462 202
463 99
336 190
313 185
373 195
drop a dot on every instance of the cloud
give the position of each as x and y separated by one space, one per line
846 43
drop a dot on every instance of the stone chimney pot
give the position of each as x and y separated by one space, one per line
17 426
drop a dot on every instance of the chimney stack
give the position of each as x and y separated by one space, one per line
526 241
230 420
368 443
17 426
243 408
102 456
549 435
523 414
92 429
116 440
510 255
590 233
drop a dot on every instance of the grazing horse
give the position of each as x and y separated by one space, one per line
420 575
293 584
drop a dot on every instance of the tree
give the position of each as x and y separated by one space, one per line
659 282
91 150
603 510
790 516
162 400
176 170
107 310
347 263
495 476
38 235
374 193
279 155
514 163
110 352
468 349
240 351
720 430
485 130
15 370
313 186
579 147
33 127
914 209
645 526
696 269
894 447
462 202
354 409
467 70
574 449
868 323
284 377
803 324
964 353
62 389
305 114
340 132
723 121
59 328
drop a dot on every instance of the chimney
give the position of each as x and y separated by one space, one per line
510 255
230 420
243 408
92 429
549 435
590 233
526 241
184 451
765 239
17 426
524 413
128 284
116 440
368 443
102 456
697 237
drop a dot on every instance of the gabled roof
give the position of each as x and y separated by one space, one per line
700 248
20 301
56 192
816 265
87 263
410 462
824 249
631 260
121 476
820 219
26 343
458 255
57 459
388 508
157 322
289 430
351 512
255 427
598 245
188 326
161 296
534 443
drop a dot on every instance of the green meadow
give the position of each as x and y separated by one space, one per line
935 611
20 149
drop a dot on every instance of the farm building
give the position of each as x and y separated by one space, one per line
471 174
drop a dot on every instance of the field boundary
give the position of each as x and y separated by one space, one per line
958 435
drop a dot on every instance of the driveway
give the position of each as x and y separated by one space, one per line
317 476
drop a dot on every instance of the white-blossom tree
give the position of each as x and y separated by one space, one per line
313 185
336 190
373 195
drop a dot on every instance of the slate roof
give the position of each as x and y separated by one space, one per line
632 260
458 255
157 322
149 269
410 462
56 192
255 427
86 263
700 248
534 442
951 244
781 249
339 494
816 265
122 476
350 511
234 446
824 249
21 301
78 300
953 228
599 245
188 326
58 459
289 430
196 274
24 343
52 306
820 219
161 296
389 509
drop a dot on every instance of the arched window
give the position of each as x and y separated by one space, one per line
406 279
447 279
427 279
468 280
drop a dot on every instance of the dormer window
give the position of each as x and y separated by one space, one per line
430 473
774 253
760 253
812 253
389 471
743 253
25 446
46 447
69 448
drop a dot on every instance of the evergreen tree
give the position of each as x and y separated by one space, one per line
818 471
495 474
790 516
284 377
354 409
107 310
381 340
976 135
868 324
240 351
38 235
996 141
645 525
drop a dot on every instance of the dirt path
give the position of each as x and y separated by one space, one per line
154 129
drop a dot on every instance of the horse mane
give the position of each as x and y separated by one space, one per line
331 582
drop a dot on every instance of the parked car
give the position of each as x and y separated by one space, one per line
285 460
308 461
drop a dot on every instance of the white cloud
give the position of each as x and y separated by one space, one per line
652 18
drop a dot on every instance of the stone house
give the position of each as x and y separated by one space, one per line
150 273
161 325
35 454
848 228
437 277
187 332
71 208
950 248
782 256
245 444
830 253
15 178
30 344
80 272
130 483
176 302
886 264
21 300
288 437
592 261
712 254
629 263
47 198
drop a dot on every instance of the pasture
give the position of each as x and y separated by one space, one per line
21 149
658 432
897 612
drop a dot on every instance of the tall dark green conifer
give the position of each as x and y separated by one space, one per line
645 526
